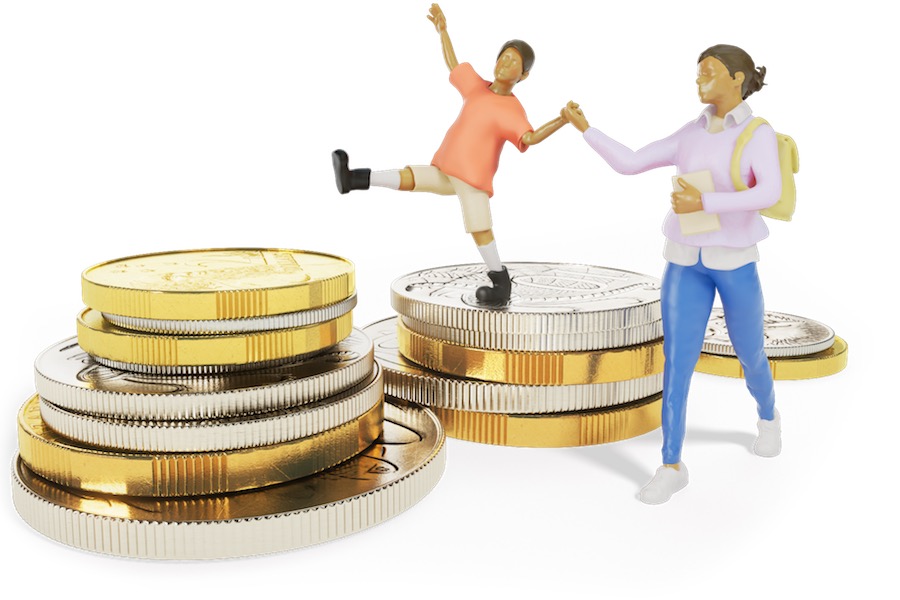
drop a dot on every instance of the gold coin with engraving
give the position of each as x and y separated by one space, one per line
235 283
98 337
531 368
389 477
555 430
85 467
811 366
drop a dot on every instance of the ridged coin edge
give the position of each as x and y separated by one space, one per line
508 322
812 366
230 304
203 405
157 350
453 393
531 431
227 539
190 474
303 318
530 368
543 342
213 435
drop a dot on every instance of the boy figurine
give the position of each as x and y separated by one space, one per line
470 153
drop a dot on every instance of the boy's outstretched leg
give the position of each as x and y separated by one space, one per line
347 180
361 179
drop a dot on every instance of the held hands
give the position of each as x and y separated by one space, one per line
437 17
688 200
574 115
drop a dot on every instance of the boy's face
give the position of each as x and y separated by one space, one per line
509 67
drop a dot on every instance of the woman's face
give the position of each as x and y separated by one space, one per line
714 83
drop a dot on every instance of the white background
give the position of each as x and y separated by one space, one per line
133 127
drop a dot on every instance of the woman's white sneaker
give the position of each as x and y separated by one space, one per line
768 443
666 482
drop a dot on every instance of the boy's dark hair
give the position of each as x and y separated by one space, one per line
524 50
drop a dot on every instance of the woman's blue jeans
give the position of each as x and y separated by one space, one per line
687 299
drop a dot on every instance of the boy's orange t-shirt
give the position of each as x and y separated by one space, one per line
471 149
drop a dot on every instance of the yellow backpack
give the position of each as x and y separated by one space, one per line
789 160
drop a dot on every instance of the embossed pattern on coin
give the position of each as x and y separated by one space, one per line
546 298
387 479
229 283
69 377
407 380
785 335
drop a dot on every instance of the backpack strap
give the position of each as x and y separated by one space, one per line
742 140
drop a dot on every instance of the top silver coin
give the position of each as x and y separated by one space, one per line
67 376
785 335
548 298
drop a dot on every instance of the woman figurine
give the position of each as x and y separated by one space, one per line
722 259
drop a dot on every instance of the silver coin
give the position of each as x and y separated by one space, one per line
785 335
200 370
547 298
406 380
211 435
230 326
70 378
539 342
387 479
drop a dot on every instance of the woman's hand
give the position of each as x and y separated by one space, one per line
688 200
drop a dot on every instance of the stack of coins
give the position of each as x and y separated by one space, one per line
574 358
217 403
797 348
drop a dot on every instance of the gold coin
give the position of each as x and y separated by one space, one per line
821 364
232 283
78 465
531 368
390 476
98 337
554 430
